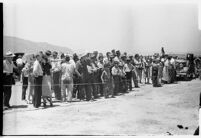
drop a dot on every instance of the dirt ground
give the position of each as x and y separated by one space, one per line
143 111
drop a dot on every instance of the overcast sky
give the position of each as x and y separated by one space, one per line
103 25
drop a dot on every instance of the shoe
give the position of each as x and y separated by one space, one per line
9 106
51 104
137 87
5 107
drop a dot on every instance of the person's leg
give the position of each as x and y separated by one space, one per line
115 85
130 80
105 90
7 95
40 90
88 92
148 75
30 92
24 87
35 96
44 101
127 80
63 90
7 88
140 76
94 87
70 91
57 91
135 79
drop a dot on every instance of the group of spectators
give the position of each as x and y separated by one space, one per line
86 77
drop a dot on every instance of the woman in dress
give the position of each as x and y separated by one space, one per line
166 75
46 84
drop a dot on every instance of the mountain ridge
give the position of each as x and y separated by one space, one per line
18 45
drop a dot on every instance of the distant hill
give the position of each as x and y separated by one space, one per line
16 45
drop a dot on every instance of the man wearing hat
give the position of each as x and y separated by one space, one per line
7 77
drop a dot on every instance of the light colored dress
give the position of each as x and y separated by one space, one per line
46 83
46 87
166 76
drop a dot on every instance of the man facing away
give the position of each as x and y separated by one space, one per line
67 71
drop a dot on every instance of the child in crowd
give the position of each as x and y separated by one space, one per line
116 77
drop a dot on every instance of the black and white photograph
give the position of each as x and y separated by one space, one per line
101 67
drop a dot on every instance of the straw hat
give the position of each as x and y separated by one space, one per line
9 54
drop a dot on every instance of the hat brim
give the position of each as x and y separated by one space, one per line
9 55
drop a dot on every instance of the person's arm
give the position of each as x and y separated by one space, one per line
151 71
35 69
113 71
77 72
102 77
124 67
133 67
4 68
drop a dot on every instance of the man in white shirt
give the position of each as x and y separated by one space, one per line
56 75
38 76
67 71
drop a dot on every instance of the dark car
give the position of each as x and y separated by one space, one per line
182 69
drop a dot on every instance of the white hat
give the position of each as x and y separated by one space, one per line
9 54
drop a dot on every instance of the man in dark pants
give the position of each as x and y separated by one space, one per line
38 77
87 78
94 76
25 75
8 78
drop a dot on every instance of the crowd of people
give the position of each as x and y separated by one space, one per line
86 77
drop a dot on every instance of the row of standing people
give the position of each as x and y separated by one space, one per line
90 76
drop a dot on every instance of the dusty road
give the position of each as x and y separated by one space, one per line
144 111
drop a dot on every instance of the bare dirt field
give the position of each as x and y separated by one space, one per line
143 111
